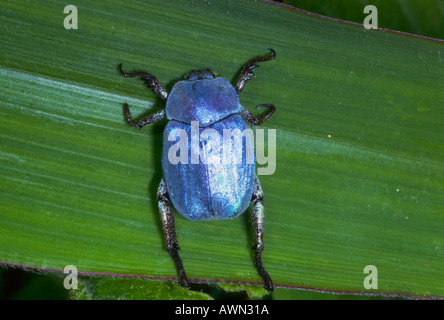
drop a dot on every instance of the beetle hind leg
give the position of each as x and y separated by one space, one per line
258 227
169 229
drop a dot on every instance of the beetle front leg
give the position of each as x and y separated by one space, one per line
152 81
258 227
169 230
144 122
247 72
251 119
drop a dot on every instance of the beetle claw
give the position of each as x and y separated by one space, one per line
247 72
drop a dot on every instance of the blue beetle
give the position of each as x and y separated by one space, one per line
203 191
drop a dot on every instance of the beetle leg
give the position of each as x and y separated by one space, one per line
247 72
250 118
170 232
144 122
152 81
258 226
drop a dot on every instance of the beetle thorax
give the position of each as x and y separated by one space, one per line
203 100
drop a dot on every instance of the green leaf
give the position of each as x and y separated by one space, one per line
424 18
105 288
359 127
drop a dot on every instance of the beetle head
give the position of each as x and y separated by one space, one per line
200 75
